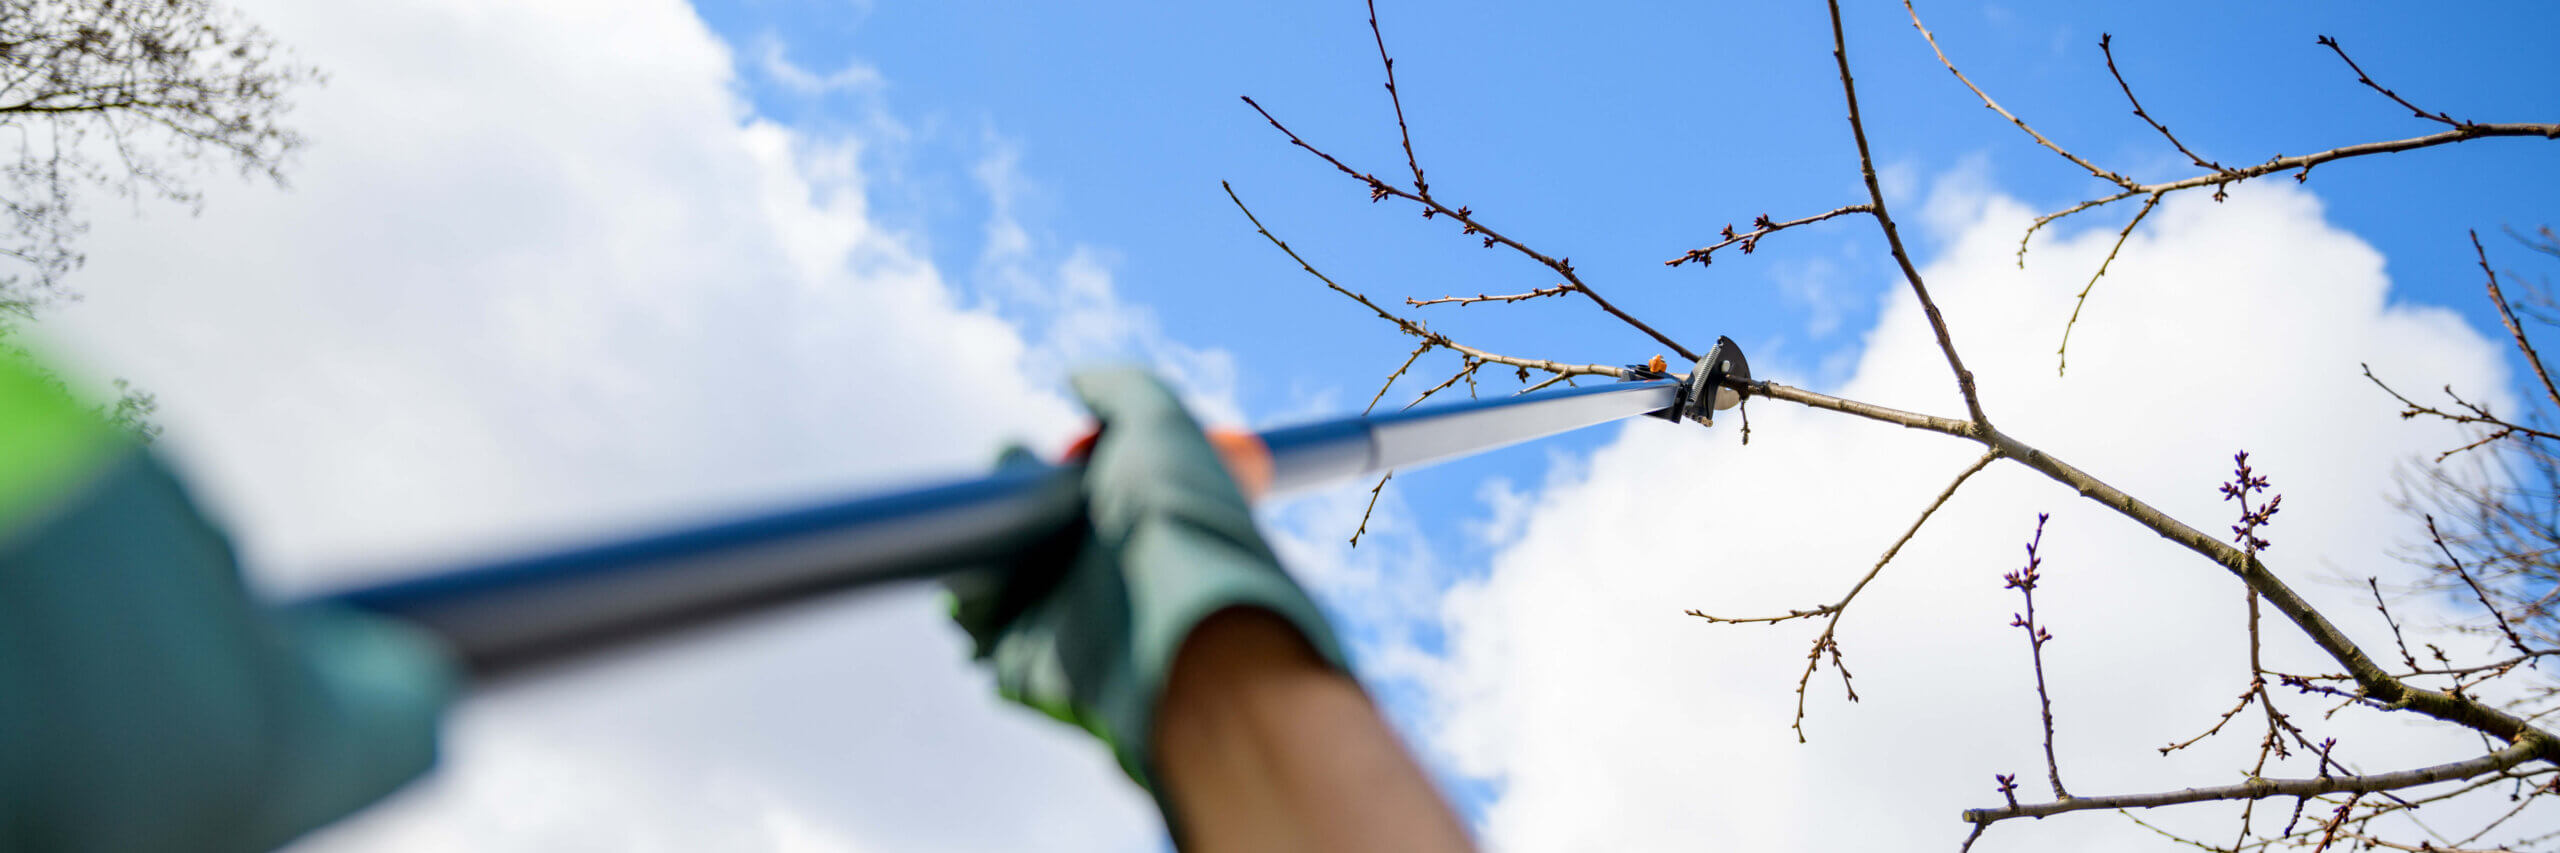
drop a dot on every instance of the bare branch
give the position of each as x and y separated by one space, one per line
2374 682
1892 237
2062 354
2513 639
2106 45
2255 789
1761 227
1827 641
1465 217
2248 696
1430 338
1466 370
1557 290
2507 314
2304 163
2024 581
1551 380
1866 410
1391 378
2361 77
1409 327
1419 185
2385 609
1994 106
1374 491
2472 414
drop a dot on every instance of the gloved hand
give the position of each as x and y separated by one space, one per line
1086 627
147 702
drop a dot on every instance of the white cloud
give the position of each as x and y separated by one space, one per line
1611 721
1071 307
1814 285
854 77
542 274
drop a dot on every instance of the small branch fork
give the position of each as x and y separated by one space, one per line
1471 359
1828 641
2495 427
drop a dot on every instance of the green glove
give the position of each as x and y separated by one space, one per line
1086 627
147 702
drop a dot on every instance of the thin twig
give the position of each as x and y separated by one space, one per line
1466 368
1419 185
1415 328
2106 45
1560 377
1827 640
2062 354
2396 639
1379 189
2508 315
2500 618
1391 378
2367 79
1760 227
1557 290
1994 106
1373 507
2025 581
2474 414
2248 696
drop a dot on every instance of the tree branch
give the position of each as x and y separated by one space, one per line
2106 45
1761 227
1557 290
1465 217
1994 106
2305 162
1828 639
2507 315
2374 682
2061 354
2361 77
1892 237
2255 789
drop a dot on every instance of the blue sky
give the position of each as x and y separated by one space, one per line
659 261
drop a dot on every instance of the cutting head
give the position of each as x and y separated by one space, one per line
1711 380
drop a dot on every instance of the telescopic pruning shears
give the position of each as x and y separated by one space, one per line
504 615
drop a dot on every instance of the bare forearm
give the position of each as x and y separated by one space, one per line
1263 747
